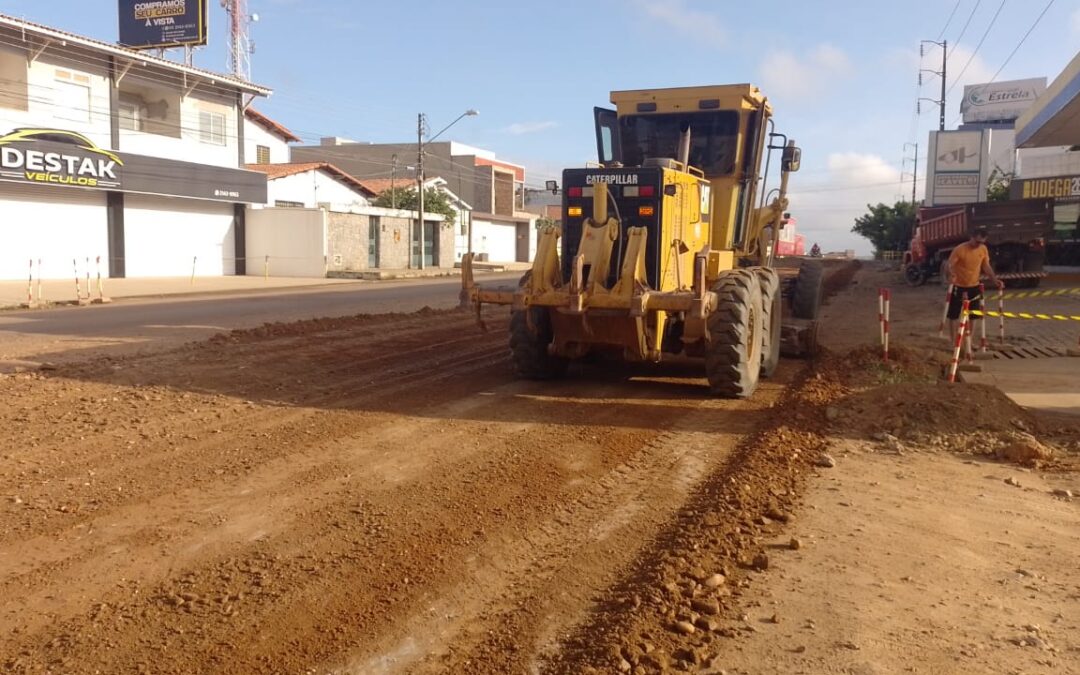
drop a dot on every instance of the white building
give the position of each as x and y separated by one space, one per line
313 185
265 141
111 153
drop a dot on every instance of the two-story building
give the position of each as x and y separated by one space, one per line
498 228
113 154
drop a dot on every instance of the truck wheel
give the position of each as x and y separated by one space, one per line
809 290
733 352
529 345
771 319
914 275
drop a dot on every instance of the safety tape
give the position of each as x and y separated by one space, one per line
1022 275
1025 315
1039 294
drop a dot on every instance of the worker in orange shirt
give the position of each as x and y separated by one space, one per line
967 263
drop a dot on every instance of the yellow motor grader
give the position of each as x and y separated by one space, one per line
664 248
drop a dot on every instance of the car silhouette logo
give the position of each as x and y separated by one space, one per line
58 136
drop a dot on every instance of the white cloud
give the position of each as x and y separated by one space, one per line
520 128
829 202
1074 22
693 23
785 74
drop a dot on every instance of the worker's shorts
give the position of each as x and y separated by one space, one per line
956 300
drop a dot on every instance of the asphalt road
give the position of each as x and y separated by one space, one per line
67 333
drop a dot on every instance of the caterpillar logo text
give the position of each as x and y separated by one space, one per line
85 165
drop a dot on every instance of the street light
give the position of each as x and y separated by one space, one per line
421 118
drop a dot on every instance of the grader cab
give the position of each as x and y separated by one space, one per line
664 248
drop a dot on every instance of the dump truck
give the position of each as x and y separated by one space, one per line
1017 241
665 246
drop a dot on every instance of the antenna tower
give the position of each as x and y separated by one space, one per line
241 47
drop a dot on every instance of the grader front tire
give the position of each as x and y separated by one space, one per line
733 353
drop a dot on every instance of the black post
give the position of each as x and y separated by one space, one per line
114 214
240 238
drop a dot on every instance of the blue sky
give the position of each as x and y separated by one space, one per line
841 73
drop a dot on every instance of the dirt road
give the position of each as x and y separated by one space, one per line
376 494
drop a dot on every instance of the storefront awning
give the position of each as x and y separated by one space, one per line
1054 119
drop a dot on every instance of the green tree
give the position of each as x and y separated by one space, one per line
405 198
888 228
997 187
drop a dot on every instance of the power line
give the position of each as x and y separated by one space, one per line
967 23
948 21
1019 44
976 51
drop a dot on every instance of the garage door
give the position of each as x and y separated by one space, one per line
497 240
165 237
55 225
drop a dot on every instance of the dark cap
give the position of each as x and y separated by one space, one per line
980 231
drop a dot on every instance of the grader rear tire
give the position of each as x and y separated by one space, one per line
771 319
529 346
733 352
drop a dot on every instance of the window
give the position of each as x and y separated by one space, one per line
129 112
71 96
211 127
13 90
281 204
262 154
713 139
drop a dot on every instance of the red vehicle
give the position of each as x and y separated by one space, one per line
1017 242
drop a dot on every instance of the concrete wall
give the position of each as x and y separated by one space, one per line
295 240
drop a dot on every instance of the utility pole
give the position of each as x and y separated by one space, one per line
944 63
914 172
420 186
940 73
393 176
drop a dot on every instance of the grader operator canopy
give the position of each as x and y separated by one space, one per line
662 248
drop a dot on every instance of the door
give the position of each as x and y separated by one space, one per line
373 242
431 248
608 148
59 228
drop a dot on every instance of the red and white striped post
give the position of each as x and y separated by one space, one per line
881 315
1001 316
30 286
87 277
39 280
984 345
78 289
955 365
886 295
945 312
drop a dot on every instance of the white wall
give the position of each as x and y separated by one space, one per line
255 135
295 240
1048 162
312 188
47 105
55 225
163 237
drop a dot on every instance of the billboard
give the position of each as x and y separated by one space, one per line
958 167
154 24
1000 101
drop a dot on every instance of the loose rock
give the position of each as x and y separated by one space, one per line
684 627
825 461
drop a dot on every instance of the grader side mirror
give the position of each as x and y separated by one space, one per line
792 157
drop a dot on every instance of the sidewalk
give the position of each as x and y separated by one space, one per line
1051 385
62 291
